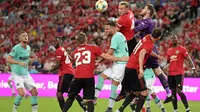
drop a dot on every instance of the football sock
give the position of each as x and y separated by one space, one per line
113 95
68 104
184 99
90 106
127 101
34 103
140 102
164 83
158 102
99 86
80 100
61 101
174 102
148 101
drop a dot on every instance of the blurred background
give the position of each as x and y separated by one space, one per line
45 19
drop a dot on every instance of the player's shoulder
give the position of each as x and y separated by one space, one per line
16 46
181 47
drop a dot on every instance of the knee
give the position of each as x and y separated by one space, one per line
144 93
178 90
116 83
34 92
104 76
153 95
21 93
59 94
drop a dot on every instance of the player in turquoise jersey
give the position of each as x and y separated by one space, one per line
118 48
150 79
19 60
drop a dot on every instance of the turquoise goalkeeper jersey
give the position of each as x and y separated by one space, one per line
20 54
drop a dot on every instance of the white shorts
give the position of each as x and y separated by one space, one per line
150 85
23 81
115 72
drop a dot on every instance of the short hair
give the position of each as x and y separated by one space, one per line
22 31
151 9
125 3
81 37
157 32
111 22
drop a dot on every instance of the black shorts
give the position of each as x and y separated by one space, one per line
88 86
64 82
175 81
131 45
137 84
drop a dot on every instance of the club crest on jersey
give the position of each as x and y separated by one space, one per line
177 52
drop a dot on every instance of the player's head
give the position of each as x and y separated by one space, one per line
123 7
110 27
174 40
148 10
23 37
157 34
81 38
57 42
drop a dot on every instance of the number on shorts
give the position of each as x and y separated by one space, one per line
137 47
86 60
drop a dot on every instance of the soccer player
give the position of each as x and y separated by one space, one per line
150 79
126 24
66 73
18 59
145 26
135 67
118 48
175 57
84 56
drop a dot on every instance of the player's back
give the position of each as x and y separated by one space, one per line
148 74
144 26
145 43
65 63
85 56
126 25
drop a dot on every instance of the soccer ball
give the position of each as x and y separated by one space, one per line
101 5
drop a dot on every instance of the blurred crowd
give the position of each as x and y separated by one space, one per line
45 19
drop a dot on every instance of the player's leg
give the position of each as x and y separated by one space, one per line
31 87
60 91
75 88
103 76
20 89
88 93
158 102
11 86
179 86
131 45
172 85
117 76
162 77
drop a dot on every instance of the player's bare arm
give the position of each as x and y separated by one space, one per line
157 56
141 61
192 65
55 67
10 60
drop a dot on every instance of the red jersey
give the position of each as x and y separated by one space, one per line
145 43
85 56
126 24
176 58
65 63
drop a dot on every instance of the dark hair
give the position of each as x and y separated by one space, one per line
151 9
81 37
111 22
157 32
125 3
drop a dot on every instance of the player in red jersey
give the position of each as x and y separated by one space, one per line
175 56
66 73
135 67
126 24
85 56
